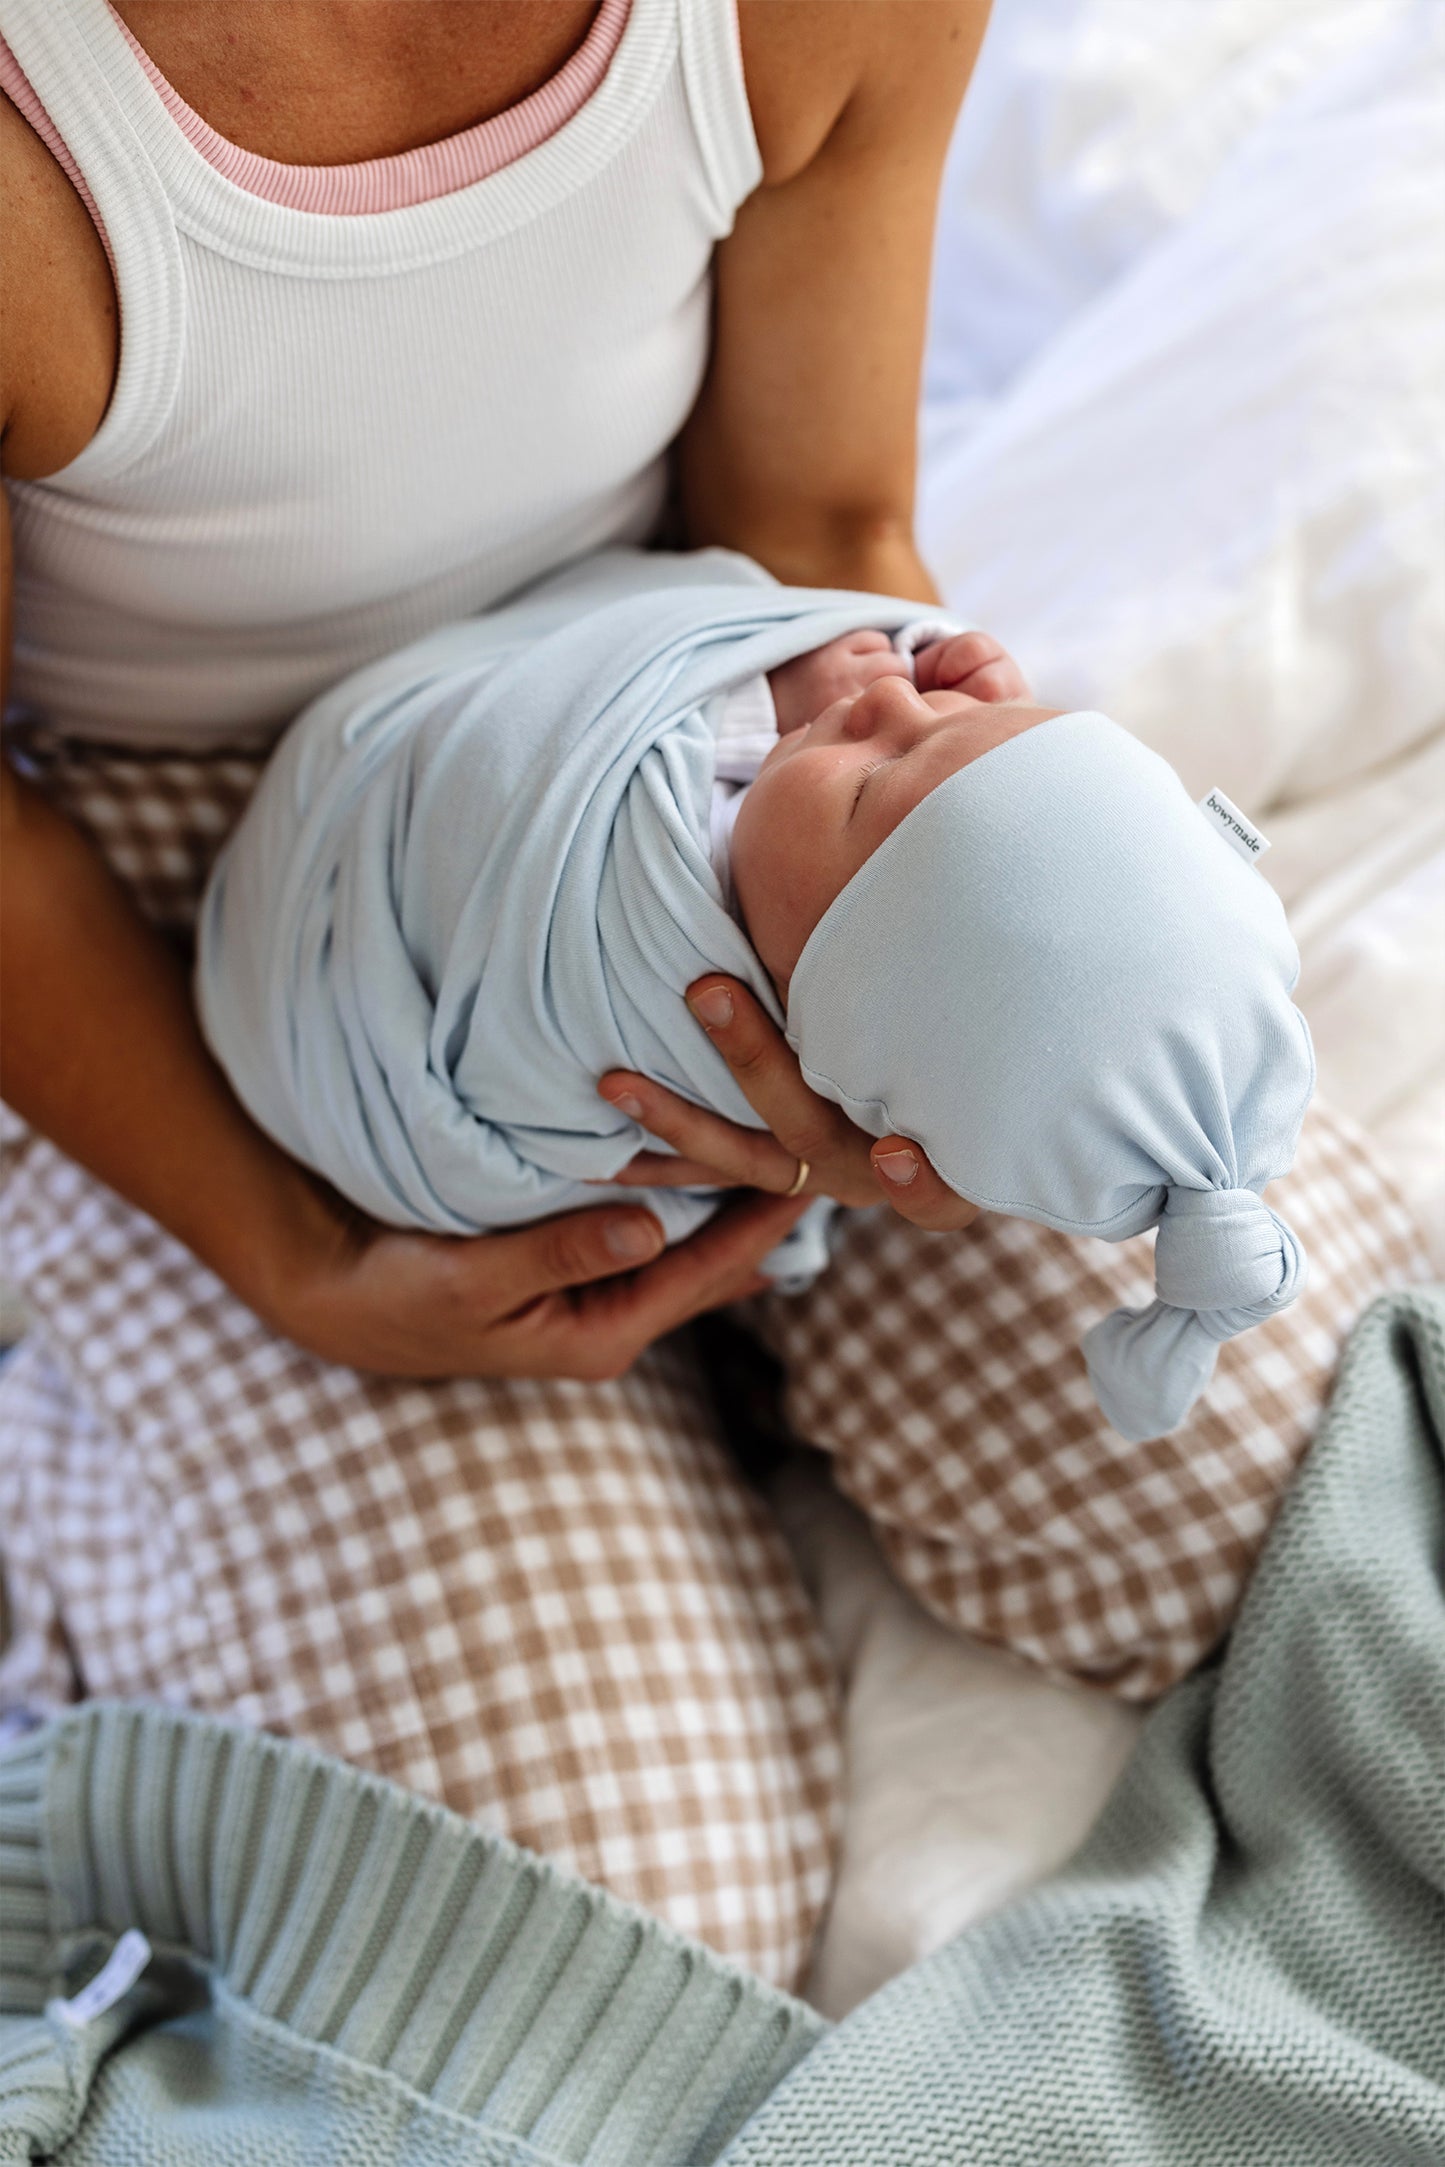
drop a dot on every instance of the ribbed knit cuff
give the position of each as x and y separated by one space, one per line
25 1939
36 2092
384 1929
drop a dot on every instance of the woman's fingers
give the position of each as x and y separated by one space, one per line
842 1161
579 1296
660 1170
908 1182
420 1305
599 1330
767 1073
731 1156
570 1251
713 1266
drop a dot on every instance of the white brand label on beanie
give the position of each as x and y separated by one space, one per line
1233 826
117 1975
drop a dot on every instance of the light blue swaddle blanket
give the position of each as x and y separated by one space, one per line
476 876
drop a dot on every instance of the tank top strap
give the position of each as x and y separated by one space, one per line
712 65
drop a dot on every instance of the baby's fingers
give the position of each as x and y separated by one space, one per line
995 683
943 666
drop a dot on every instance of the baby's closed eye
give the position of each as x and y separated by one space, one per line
870 768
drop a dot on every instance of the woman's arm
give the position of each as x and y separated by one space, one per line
801 449
801 452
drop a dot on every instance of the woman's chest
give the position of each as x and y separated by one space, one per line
294 447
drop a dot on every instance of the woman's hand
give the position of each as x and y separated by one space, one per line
577 1296
842 1161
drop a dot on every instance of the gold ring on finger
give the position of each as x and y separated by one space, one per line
800 1179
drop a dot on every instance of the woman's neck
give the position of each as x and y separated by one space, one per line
336 82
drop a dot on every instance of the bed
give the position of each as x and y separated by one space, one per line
1183 449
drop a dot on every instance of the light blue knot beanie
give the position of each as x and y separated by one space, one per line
1064 983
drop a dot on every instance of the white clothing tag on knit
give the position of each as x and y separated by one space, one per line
117 1975
1233 826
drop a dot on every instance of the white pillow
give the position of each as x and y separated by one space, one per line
1185 449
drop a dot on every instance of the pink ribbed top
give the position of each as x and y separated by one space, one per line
374 184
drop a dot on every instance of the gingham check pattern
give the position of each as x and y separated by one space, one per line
158 819
557 1607
943 1374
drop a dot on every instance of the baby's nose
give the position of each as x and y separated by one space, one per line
889 707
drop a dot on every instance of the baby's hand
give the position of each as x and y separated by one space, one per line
974 664
804 687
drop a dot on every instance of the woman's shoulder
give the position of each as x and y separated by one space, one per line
807 62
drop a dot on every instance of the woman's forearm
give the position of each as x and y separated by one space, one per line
886 562
100 1051
882 560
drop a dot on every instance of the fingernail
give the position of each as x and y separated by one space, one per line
626 1103
899 1167
713 1008
632 1240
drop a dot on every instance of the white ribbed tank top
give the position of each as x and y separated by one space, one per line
330 433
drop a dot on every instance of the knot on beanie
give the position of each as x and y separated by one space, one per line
1223 1261
1223 1250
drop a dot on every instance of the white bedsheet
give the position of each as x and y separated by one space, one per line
1184 450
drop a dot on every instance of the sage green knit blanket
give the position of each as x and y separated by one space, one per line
1244 1968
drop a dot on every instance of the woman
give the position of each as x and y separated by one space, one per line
800 450
411 303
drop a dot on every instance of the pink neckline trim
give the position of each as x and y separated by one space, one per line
414 176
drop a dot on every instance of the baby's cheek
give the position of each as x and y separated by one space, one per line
782 867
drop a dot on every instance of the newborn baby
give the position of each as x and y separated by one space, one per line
481 873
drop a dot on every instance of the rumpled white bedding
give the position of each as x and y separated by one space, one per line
1184 451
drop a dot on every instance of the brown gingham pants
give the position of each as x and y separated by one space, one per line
558 1607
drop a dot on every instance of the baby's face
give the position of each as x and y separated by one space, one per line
830 792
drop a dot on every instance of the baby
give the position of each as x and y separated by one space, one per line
481 873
